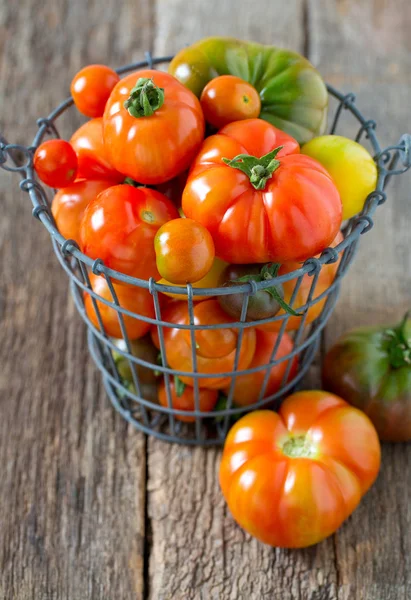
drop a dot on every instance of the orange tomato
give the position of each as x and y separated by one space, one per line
184 251
215 349
207 400
91 88
325 279
291 479
214 278
137 300
228 98
247 387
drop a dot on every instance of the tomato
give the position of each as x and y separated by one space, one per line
119 227
350 165
185 399
93 162
212 279
174 188
290 479
227 98
142 348
247 387
70 203
293 95
55 163
324 280
283 207
91 88
153 126
137 300
215 349
371 368
184 251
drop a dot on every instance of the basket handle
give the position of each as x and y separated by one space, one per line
388 158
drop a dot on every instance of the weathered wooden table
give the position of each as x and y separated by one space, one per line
90 508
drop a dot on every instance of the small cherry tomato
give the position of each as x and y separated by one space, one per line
184 251
135 299
182 398
91 88
70 203
214 278
93 162
55 163
119 227
292 478
228 98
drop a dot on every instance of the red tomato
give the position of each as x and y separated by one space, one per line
70 203
184 251
207 399
91 88
55 163
215 349
93 162
247 387
157 136
285 208
325 279
137 300
228 98
119 227
291 479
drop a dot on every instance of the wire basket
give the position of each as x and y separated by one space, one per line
132 401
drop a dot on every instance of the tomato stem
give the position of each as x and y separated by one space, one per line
145 98
400 343
259 170
299 446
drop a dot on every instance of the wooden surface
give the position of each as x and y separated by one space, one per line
91 509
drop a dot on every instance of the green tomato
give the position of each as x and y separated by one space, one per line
350 165
141 348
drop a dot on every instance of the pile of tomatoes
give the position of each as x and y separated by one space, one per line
199 176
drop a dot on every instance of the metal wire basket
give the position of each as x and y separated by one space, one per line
208 428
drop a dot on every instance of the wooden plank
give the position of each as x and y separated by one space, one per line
364 47
72 490
197 550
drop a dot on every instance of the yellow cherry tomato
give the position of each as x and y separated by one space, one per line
350 165
212 279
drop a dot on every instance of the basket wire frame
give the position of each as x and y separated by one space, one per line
209 428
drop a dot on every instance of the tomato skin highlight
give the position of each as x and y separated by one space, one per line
184 251
153 149
138 300
295 216
119 227
228 98
55 163
291 478
91 88
207 400
93 161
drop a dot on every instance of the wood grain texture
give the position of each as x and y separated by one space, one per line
72 488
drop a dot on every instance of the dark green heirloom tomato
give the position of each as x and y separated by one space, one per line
371 369
261 305
293 95
141 348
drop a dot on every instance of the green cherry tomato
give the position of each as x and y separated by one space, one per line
141 348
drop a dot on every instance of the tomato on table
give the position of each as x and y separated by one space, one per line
261 200
184 251
92 156
91 88
324 280
135 299
215 348
182 398
228 98
147 107
119 227
70 203
214 278
290 479
55 163
247 387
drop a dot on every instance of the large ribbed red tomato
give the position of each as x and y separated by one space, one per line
153 126
260 199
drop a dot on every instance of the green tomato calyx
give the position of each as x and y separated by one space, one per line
299 446
399 343
259 170
145 98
